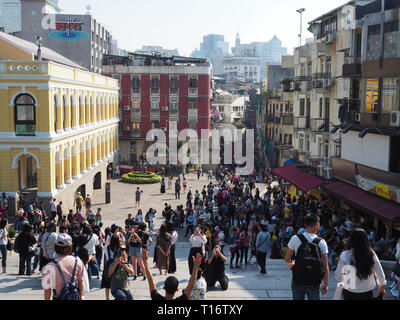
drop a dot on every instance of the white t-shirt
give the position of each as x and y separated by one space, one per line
4 240
360 285
295 242
174 238
53 206
92 243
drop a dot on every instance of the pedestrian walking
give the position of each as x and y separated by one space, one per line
263 246
364 263
138 194
311 266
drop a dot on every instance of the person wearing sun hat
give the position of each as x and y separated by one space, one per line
52 279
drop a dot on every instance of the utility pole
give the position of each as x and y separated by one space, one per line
301 23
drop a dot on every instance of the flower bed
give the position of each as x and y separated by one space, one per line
141 178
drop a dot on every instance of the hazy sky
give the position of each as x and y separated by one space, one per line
181 24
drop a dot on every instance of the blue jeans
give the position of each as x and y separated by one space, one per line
299 292
3 249
121 294
93 268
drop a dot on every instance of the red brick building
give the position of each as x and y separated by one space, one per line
157 92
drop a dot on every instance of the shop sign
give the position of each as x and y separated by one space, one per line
380 189
69 30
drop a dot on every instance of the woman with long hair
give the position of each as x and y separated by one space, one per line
174 238
163 245
362 261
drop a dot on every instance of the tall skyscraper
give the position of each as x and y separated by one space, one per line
213 48
266 52
10 14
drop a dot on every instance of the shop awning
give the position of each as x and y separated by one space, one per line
300 179
291 161
365 201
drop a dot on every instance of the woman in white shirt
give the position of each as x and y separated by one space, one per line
3 243
358 267
198 241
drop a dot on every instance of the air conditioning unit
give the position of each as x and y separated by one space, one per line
328 173
357 117
320 171
165 129
127 128
127 107
395 118
164 108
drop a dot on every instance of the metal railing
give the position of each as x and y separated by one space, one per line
302 122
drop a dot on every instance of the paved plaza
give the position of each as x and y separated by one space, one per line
245 284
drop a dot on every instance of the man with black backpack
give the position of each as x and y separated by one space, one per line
65 274
311 261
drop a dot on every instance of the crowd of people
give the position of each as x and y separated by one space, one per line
229 216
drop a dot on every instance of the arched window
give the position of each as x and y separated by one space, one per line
25 115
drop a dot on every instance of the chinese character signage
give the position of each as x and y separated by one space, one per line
69 30
382 190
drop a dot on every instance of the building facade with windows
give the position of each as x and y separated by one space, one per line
80 38
59 126
159 93
369 165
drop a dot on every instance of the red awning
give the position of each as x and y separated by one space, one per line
300 179
365 201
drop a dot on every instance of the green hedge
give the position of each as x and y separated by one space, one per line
140 178
142 175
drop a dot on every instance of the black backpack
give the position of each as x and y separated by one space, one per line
70 291
308 269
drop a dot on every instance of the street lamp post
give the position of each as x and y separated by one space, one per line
301 23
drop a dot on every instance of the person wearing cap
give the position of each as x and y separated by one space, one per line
52 279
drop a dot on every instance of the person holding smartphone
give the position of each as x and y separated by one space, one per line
119 272
198 241
215 269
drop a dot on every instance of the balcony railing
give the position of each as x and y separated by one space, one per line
302 122
317 84
155 91
351 67
287 119
173 111
193 91
303 78
173 91
321 75
316 123
136 91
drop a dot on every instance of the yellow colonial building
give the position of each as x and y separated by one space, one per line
58 124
